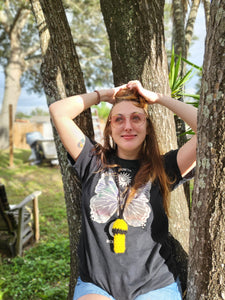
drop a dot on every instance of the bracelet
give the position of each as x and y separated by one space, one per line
98 97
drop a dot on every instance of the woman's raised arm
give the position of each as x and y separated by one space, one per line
64 111
186 157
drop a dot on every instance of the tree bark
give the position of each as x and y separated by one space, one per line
13 73
206 4
189 30
136 35
62 76
178 36
206 279
182 36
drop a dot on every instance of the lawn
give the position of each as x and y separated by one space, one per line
43 271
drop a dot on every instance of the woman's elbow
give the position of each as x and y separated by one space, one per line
54 110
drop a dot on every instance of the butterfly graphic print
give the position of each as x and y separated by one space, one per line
104 204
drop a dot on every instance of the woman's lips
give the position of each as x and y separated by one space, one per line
128 137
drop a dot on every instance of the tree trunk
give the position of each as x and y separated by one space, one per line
136 35
13 73
189 30
206 279
207 12
178 36
12 91
62 76
182 36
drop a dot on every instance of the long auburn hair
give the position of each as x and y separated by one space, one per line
151 163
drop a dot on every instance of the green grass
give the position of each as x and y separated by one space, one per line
44 269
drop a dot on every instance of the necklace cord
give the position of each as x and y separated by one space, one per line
124 195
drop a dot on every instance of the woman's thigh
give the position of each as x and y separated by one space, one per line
170 292
93 297
90 291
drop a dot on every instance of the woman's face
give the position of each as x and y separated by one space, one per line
128 126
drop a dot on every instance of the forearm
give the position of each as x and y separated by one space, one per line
72 106
187 112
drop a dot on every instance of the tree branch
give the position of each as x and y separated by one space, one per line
190 24
31 50
19 20
32 62
4 20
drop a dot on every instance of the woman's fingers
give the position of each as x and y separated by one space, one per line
134 84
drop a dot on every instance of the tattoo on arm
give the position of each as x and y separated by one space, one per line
81 143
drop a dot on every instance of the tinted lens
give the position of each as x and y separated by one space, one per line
136 119
118 120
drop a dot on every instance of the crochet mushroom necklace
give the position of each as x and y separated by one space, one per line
120 227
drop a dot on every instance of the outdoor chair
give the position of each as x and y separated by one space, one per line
19 224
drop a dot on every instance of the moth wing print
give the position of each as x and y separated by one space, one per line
138 211
105 203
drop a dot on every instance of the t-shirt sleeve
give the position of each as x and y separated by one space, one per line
86 161
172 169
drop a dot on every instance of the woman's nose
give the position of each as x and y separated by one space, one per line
127 125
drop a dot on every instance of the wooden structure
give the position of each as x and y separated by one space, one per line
19 224
21 128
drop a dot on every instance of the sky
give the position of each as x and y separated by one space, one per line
28 102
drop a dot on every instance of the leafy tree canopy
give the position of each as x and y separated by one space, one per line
10 15
91 41
89 34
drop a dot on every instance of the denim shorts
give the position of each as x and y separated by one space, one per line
170 292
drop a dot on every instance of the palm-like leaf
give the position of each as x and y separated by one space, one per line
177 82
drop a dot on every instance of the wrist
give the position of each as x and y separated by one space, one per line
104 95
161 98
153 98
98 97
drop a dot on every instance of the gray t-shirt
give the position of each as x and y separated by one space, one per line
147 263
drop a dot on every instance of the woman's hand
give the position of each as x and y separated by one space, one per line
108 95
149 96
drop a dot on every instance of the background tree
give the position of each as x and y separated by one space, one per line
137 45
18 54
183 20
206 278
20 50
62 76
206 4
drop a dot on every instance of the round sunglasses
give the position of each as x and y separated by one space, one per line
136 119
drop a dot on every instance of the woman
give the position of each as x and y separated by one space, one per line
124 252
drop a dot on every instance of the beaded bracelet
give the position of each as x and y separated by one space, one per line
98 97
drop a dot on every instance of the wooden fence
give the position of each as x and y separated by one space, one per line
21 128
